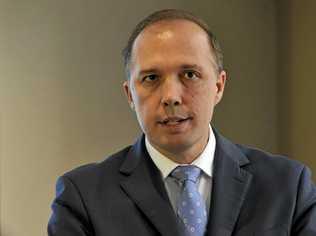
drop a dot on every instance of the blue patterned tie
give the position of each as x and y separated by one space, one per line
190 205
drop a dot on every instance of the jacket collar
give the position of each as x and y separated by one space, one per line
230 185
144 185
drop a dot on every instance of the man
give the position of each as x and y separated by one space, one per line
182 177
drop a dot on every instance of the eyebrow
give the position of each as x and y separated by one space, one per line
148 71
183 67
191 66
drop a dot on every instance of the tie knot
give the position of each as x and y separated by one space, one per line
189 172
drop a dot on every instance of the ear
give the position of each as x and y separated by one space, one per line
220 84
127 91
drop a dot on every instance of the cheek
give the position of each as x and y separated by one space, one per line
202 103
144 109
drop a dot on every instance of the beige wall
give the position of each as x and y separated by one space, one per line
61 103
297 83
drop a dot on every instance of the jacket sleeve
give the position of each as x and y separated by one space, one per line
304 222
69 215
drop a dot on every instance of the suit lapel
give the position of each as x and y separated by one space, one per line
230 185
143 185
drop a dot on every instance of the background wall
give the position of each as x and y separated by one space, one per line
61 102
296 78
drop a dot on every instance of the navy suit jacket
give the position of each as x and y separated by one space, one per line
253 193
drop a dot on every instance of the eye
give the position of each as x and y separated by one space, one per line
150 78
191 75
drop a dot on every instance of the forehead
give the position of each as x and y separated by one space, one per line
181 25
171 37
167 29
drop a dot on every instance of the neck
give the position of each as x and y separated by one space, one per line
185 155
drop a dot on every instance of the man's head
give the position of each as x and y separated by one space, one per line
168 15
174 83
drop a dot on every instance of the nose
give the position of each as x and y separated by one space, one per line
171 91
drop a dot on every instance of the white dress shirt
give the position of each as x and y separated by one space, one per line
204 162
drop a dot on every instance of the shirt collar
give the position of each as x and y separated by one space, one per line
204 161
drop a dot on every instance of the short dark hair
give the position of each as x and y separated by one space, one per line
171 14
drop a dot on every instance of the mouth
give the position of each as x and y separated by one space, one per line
172 121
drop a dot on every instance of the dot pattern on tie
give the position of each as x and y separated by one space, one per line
190 205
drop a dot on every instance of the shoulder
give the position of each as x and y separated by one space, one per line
255 160
271 165
108 169
261 157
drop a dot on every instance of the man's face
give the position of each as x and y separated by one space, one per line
174 85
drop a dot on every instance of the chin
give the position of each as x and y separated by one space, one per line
175 145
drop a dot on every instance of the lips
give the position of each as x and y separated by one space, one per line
174 120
